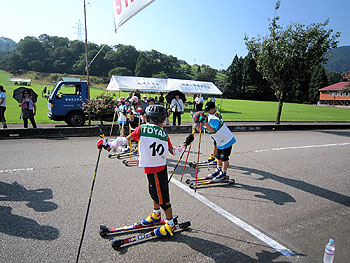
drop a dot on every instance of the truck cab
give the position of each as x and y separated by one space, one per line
65 102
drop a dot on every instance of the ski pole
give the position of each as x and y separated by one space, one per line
183 170
188 153
138 143
115 112
122 129
90 197
205 144
176 165
130 140
199 149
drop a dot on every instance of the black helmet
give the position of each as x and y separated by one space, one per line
210 105
156 113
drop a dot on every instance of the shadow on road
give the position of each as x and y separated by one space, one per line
301 185
16 225
339 133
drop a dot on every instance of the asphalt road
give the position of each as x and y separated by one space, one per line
292 194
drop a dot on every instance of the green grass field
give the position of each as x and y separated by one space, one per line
232 110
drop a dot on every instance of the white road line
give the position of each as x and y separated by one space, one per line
304 147
17 170
267 240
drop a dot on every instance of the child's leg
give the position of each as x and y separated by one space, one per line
168 212
225 166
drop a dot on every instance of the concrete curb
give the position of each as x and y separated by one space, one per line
86 131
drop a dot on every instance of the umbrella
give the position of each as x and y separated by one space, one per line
18 94
171 95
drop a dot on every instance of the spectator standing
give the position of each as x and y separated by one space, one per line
161 99
137 94
28 109
3 106
127 100
144 102
177 106
199 102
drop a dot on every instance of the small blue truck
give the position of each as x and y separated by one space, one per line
65 102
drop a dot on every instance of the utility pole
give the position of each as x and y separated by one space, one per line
86 55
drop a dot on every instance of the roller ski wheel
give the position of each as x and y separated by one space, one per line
191 164
231 181
103 231
126 163
188 181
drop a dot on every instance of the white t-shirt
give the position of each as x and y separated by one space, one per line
153 146
3 95
177 105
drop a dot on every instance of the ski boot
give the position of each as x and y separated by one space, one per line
127 150
215 173
220 177
151 219
164 230
211 158
134 151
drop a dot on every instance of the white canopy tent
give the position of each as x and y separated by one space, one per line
149 85
21 81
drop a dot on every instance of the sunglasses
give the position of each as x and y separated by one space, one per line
26 93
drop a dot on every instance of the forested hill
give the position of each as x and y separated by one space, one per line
340 60
7 45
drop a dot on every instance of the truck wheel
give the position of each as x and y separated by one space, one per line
75 119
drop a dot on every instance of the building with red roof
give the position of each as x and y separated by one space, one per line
336 94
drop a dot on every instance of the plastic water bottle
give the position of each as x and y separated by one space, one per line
329 252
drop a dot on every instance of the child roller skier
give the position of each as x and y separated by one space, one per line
154 146
212 158
223 137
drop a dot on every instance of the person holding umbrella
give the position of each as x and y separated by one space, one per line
28 108
178 107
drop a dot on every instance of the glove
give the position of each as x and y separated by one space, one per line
118 142
189 139
178 150
199 117
103 144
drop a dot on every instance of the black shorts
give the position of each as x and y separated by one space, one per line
158 186
223 154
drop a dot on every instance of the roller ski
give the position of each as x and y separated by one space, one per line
226 180
202 164
123 154
130 162
217 177
104 230
161 231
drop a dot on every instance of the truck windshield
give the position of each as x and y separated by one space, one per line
70 89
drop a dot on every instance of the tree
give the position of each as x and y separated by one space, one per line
120 71
235 78
285 55
30 49
318 81
207 74
127 57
